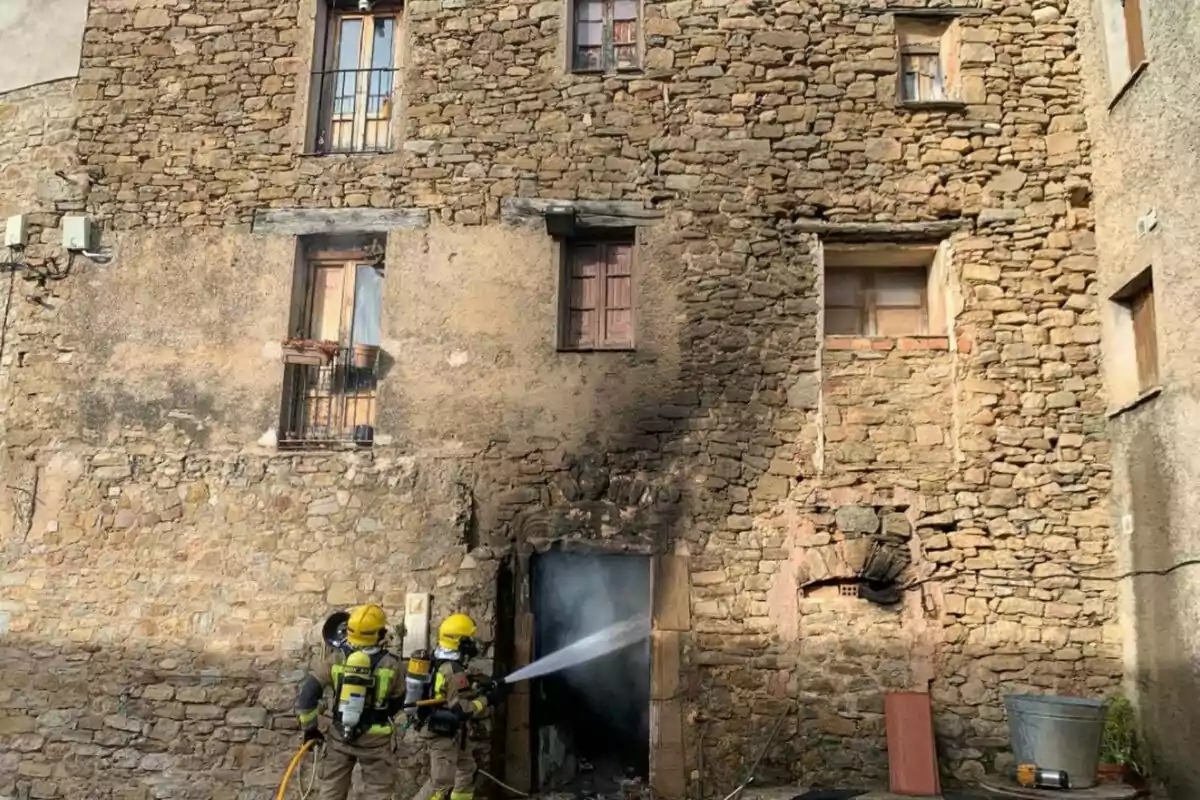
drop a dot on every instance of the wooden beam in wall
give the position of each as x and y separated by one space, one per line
518 759
672 597
310 221
667 774
671 605
665 677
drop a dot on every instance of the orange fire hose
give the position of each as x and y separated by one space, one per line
296 759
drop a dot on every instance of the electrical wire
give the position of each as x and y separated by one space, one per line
1081 573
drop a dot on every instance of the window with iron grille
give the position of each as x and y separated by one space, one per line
605 35
356 91
332 356
876 301
597 294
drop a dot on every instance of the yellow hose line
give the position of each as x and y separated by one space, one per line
296 759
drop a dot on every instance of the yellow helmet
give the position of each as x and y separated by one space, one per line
454 629
365 625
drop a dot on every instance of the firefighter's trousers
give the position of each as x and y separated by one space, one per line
336 765
451 771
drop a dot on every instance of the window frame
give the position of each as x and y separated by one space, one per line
1135 35
1123 39
947 38
939 80
1137 298
340 392
868 308
1133 361
608 61
605 239
325 81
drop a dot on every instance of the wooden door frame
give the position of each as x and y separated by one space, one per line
670 607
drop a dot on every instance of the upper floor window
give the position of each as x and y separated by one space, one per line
605 35
1124 42
597 292
929 54
1132 351
356 90
887 289
332 351
876 302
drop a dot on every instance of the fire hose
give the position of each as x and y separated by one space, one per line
287 776
304 748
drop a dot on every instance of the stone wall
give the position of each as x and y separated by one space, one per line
754 131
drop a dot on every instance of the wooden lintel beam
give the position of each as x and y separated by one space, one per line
310 221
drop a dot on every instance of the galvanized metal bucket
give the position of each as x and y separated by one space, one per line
1061 733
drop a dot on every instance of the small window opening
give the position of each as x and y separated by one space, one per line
356 89
870 301
605 35
332 356
597 310
1137 334
1135 45
929 54
1124 40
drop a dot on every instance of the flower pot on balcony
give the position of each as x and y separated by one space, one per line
309 353
365 356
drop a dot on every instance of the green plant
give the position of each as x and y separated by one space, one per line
1121 744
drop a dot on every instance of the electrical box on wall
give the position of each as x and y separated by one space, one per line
1147 223
16 231
76 233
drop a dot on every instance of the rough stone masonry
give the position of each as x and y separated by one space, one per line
166 566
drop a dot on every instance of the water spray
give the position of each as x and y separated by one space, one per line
601 643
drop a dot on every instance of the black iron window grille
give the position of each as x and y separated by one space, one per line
331 403
355 112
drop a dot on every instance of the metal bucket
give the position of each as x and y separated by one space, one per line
1057 733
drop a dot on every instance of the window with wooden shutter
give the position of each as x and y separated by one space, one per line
1134 43
928 53
1145 337
871 301
597 302
606 35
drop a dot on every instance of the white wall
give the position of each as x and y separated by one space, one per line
40 41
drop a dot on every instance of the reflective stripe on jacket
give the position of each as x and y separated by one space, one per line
324 674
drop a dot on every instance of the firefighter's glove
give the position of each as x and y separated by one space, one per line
495 692
314 735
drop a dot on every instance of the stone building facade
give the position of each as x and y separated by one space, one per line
1139 68
742 178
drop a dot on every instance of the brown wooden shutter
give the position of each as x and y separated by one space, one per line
618 296
1133 32
583 299
1144 339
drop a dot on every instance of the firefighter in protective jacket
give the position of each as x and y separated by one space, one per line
368 690
451 764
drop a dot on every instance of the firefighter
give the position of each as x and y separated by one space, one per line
451 764
368 690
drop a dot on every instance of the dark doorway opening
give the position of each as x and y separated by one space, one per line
591 722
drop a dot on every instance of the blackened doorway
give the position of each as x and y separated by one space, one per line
591 722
